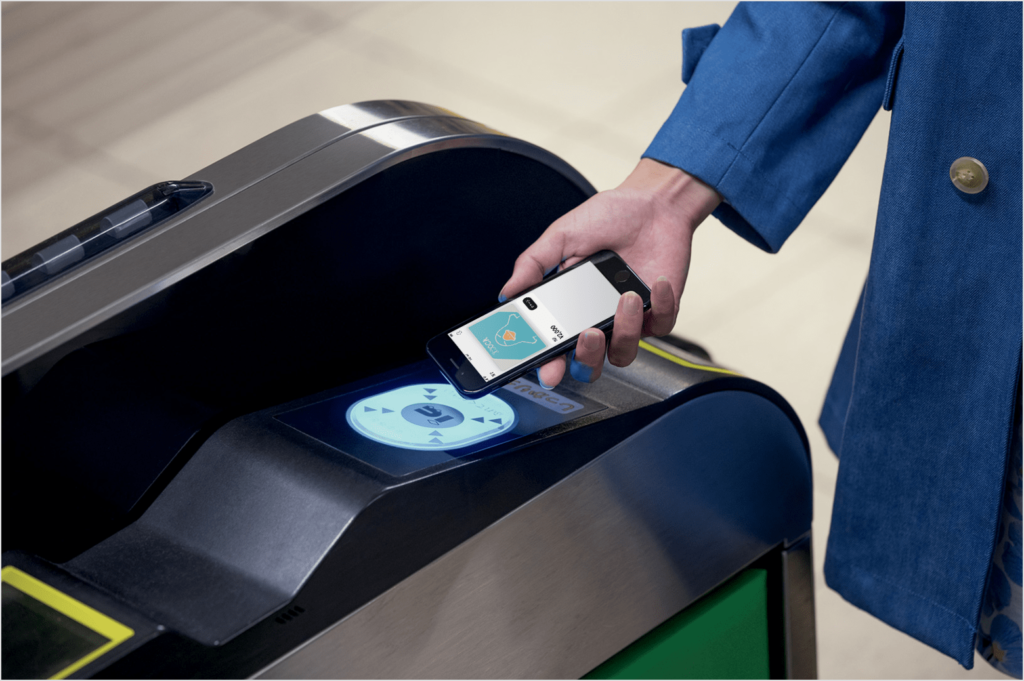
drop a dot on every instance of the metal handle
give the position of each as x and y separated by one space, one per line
58 254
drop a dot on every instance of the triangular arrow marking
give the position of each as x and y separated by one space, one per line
430 390
479 420
435 433
366 409
495 420
436 441
385 410
431 397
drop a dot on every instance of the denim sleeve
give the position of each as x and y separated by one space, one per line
776 103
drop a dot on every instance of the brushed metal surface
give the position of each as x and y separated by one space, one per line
256 190
565 581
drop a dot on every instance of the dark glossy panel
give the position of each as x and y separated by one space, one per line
290 315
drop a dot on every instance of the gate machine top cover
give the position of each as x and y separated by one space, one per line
224 454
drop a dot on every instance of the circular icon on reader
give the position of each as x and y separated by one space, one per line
430 416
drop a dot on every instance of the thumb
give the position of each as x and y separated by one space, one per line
541 257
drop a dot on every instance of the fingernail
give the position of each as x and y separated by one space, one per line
543 384
663 278
502 298
581 372
633 303
588 340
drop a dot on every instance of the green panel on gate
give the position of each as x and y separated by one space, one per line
724 635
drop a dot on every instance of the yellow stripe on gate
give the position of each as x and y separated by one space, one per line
103 625
682 362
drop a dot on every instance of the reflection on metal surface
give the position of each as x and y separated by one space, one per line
631 539
413 132
368 114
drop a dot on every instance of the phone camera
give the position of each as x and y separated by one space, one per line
530 305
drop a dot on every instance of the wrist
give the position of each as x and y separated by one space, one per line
674 191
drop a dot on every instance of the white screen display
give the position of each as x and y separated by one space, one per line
546 316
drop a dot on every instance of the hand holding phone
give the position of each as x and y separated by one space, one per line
649 220
484 353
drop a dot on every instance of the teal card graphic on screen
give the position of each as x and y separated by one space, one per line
507 336
529 324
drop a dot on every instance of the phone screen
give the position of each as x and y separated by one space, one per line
525 326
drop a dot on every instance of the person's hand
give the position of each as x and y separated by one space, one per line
649 220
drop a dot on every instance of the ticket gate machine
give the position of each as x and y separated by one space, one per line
224 456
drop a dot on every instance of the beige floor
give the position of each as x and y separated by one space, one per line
101 99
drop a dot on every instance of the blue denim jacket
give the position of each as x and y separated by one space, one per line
921 401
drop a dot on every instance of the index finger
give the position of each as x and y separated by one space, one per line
541 257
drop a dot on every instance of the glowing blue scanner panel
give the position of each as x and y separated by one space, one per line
413 419
430 416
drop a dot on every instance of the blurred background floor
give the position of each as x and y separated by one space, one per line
102 99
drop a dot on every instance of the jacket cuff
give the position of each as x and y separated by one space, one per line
780 97
751 197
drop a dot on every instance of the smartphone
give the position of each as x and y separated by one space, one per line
489 350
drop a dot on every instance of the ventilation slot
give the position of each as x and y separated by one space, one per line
289 614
